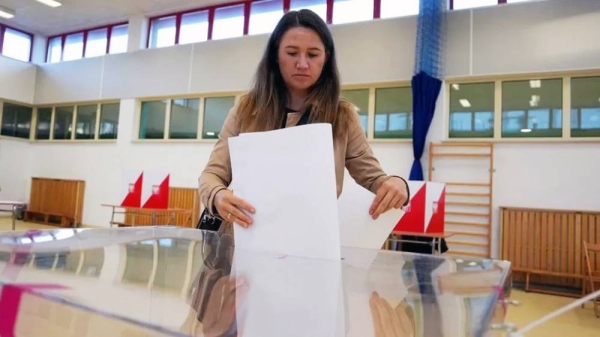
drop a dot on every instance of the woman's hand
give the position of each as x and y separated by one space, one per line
387 321
392 193
232 208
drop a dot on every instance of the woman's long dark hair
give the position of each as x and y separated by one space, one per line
263 107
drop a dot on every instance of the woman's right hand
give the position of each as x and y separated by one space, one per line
232 208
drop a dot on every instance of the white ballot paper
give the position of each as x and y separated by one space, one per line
357 227
289 296
288 176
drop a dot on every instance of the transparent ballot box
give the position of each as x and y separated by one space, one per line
166 281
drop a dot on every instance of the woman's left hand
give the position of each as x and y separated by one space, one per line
391 193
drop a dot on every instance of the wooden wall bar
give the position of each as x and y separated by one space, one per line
545 247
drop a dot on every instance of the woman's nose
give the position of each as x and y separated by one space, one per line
302 63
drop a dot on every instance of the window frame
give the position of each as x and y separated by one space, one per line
32 122
247 17
372 88
63 36
73 138
168 109
565 76
3 28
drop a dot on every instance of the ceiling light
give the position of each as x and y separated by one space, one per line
535 83
465 103
535 100
455 87
525 130
6 13
51 3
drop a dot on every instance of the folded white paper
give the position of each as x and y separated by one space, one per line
357 227
288 176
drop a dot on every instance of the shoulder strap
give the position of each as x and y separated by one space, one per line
303 120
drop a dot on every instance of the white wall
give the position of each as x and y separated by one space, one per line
15 168
508 39
17 83
17 80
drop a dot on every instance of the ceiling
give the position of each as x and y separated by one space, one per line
37 18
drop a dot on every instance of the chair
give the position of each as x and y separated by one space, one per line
591 275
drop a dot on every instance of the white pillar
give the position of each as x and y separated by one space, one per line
38 54
138 33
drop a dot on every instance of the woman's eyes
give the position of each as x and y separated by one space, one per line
309 55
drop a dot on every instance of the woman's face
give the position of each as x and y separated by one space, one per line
301 57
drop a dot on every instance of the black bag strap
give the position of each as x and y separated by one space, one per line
303 120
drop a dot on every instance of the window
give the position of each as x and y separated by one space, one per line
16 44
73 49
472 110
585 107
152 120
346 11
80 122
119 38
109 121
44 123
184 119
88 43
229 22
54 49
194 27
463 4
393 112
86 122
96 43
360 98
532 108
16 120
264 16
163 32
63 122
395 8
317 6
216 110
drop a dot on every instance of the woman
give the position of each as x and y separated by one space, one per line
297 82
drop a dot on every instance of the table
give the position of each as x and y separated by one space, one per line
436 239
172 281
142 212
13 205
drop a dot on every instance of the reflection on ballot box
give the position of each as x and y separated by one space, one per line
179 282
425 211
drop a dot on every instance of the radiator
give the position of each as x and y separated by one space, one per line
545 247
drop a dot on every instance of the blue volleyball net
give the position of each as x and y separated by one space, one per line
431 38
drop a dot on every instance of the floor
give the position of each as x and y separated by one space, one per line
578 322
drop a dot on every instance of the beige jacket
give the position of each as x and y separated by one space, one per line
351 151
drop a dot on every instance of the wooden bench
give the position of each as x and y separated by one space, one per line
55 202
49 218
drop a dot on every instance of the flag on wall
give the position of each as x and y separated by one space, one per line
425 210
155 190
145 189
131 188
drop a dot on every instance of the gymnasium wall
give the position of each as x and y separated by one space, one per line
17 83
554 35
17 80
